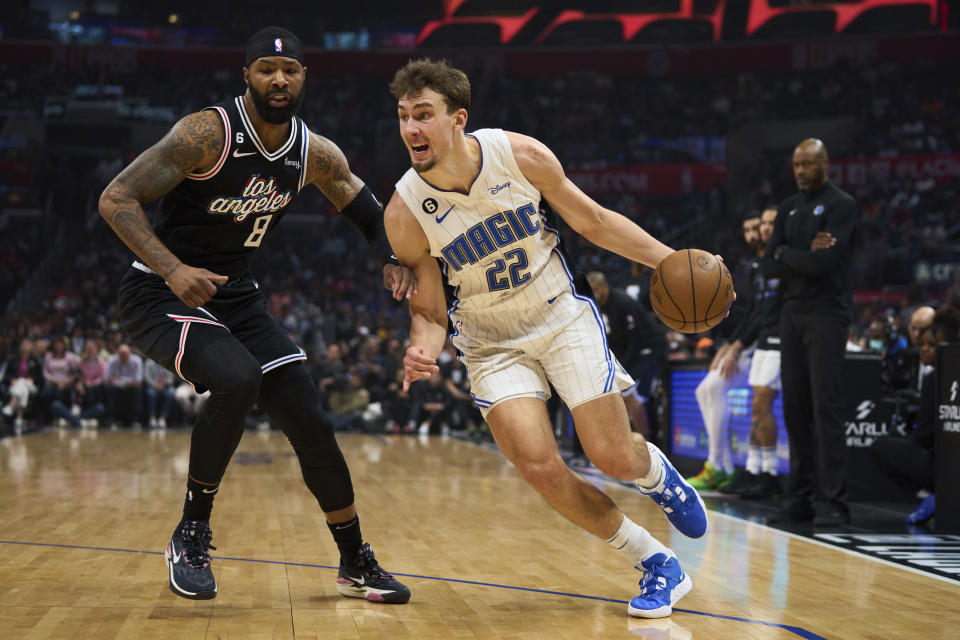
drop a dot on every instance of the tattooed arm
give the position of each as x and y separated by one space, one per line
193 144
327 169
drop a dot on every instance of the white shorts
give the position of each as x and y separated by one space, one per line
765 369
515 354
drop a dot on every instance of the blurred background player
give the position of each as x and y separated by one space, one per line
637 340
759 478
729 369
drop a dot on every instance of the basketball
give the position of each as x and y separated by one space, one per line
691 290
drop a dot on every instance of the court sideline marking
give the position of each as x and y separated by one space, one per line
803 633
713 512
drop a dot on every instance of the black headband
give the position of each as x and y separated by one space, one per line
274 41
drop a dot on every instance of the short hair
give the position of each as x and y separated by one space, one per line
597 279
751 214
946 322
424 73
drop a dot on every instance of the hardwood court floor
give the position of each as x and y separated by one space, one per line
84 518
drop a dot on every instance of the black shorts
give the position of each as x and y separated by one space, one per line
168 331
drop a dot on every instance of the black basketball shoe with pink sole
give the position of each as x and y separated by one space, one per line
188 561
365 578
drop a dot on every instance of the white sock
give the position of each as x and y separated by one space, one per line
711 395
636 542
769 460
727 456
753 459
656 474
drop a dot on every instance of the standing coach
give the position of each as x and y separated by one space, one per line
810 250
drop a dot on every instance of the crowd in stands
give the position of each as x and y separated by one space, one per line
327 293
597 121
66 362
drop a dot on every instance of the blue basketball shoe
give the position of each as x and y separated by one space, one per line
188 561
924 511
662 585
680 501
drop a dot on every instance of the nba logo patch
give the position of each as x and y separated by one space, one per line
818 210
278 45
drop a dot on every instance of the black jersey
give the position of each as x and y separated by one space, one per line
631 331
815 281
748 299
762 324
768 329
217 220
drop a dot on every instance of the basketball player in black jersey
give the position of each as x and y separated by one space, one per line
226 175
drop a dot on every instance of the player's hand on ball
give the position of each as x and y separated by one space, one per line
734 299
691 290
417 364
400 280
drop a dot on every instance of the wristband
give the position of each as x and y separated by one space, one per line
366 213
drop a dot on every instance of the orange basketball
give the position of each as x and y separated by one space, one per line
691 290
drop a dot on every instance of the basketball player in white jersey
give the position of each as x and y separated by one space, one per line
467 215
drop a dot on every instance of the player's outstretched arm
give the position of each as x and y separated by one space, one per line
601 226
327 168
428 325
193 144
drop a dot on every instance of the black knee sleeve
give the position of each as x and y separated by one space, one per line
289 396
233 377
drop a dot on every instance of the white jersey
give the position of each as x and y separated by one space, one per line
517 318
495 249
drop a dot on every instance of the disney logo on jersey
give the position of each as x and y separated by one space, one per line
497 189
259 196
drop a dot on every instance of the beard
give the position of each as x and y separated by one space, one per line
426 165
276 115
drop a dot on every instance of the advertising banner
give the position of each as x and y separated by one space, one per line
868 417
947 443
652 179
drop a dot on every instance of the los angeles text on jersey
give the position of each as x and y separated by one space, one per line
498 231
259 196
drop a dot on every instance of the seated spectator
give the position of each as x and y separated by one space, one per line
40 350
396 404
60 367
431 404
124 386
22 375
347 403
464 416
93 370
158 389
330 372
903 369
910 461
79 406
855 339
